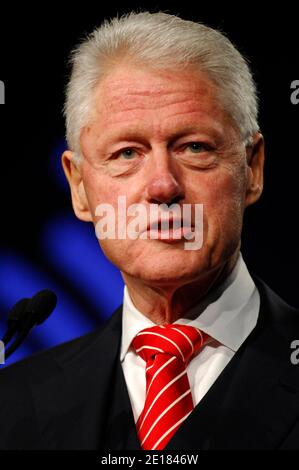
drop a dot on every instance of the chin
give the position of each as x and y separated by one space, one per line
168 269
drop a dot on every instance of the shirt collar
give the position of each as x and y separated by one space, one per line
228 314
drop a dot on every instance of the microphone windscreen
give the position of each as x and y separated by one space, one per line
42 305
17 311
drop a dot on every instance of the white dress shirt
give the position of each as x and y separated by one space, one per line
228 315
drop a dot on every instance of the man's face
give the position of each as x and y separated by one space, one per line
163 137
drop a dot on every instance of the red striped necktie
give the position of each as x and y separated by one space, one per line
167 350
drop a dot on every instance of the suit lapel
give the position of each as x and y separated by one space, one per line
254 402
73 406
84 403
121 429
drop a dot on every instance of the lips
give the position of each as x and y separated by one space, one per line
170 224
173 230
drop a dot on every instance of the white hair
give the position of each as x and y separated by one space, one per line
160 41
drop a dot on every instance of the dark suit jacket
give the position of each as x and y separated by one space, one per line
74 396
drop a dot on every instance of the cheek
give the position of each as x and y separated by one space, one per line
222 194
229 207
99 190
215 188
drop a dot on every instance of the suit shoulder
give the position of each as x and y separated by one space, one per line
47 363
43 362
277 311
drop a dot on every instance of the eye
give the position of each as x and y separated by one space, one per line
127 154
197 155
196 147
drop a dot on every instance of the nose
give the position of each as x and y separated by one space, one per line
163 185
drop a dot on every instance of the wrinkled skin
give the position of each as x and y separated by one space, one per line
163 137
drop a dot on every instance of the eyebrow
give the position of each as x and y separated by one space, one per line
127 135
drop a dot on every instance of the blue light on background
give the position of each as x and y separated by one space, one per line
20 278
71 263
71 247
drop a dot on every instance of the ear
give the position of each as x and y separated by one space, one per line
255 169
73 174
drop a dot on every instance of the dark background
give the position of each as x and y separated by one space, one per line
42 244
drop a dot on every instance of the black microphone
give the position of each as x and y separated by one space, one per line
35 312
38 309
14 320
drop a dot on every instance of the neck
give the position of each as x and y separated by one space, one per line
168 303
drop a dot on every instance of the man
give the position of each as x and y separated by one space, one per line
162 112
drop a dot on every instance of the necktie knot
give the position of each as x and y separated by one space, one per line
182 341
167 350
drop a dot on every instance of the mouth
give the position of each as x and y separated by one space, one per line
169 231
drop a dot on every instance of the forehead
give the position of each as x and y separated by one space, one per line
131 89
